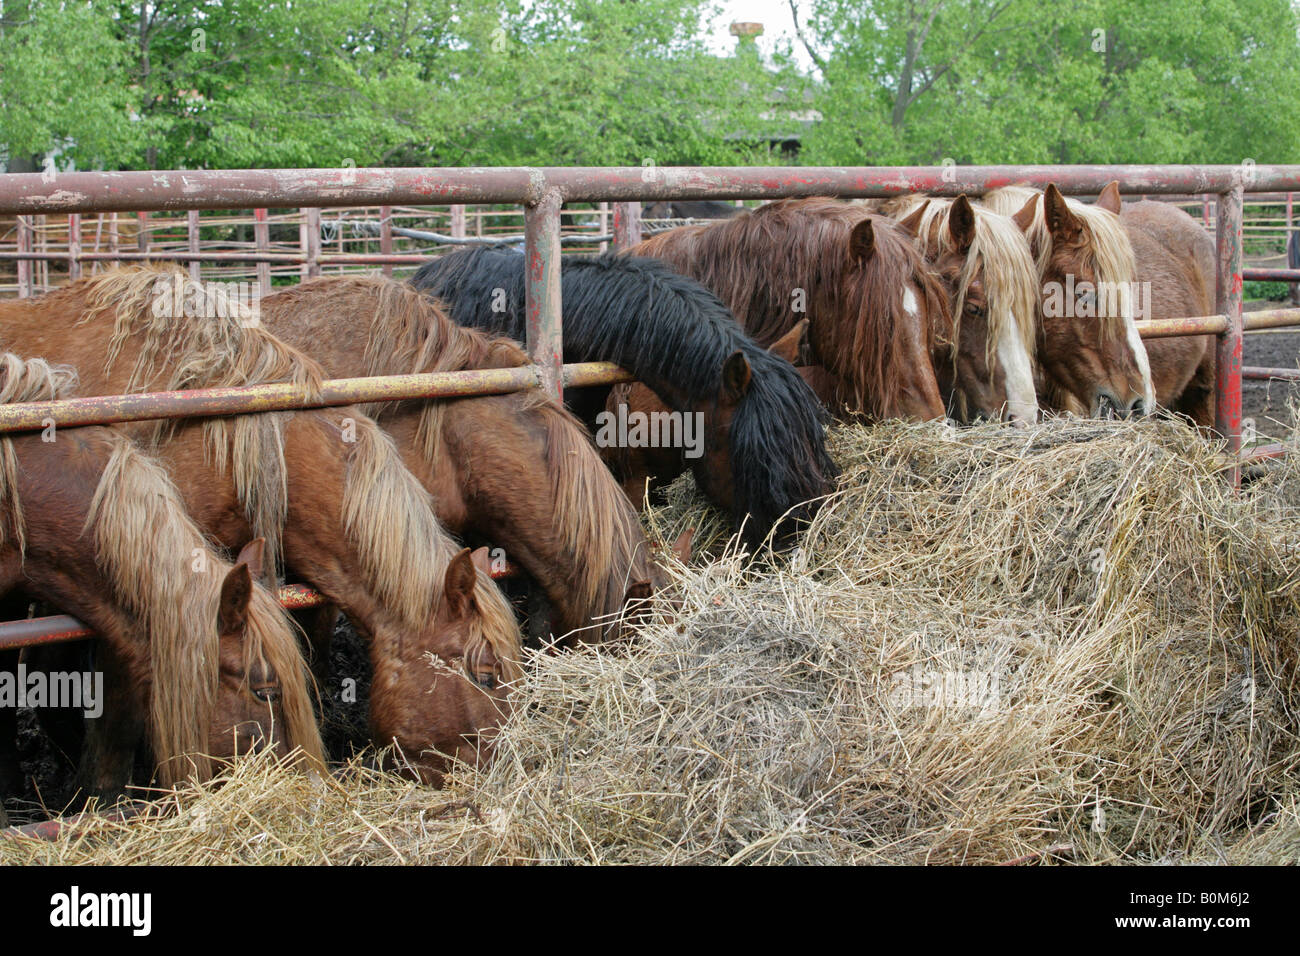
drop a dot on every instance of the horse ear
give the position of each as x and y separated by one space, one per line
912 221
682 546
482 559
736 375
1025 217
1061 223
1109 198
253 554
961 223
459 582
236 592
862 241
787 346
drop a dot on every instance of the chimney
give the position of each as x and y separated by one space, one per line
746 34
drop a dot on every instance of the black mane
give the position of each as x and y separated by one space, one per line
674 335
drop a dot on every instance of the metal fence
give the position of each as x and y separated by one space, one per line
542 192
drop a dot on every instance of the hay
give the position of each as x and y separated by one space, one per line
990 644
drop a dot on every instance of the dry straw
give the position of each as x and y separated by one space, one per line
1067 642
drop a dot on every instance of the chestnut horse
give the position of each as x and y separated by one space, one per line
762 455
515 469
355 524
876 312
1175 254
1091 359
200 658
988 270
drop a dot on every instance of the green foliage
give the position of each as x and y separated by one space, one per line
245 83
1272 291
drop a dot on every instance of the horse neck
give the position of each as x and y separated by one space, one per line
585 567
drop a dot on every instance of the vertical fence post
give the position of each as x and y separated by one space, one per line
458 222
142 235
24 265
192 235
1227 301
112 233
262 242
74 246
542 290
627 225
311 242
386 235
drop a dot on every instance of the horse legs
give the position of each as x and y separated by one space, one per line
11 776
111 740
317 624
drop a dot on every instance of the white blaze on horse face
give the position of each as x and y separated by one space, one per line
1018 371
1138 348
910 304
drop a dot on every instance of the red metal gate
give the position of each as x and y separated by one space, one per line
542 192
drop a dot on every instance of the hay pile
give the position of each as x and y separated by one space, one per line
1062 643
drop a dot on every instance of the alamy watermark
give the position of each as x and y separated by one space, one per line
83 690
1087 300
633 429
177 297
921 688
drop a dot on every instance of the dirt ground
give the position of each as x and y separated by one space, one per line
1267 402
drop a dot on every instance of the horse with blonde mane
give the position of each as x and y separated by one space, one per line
1091 360
986 266
1175 259
876 312
516 470
326 488
199 658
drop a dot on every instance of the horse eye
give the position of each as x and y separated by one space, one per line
486 681
268 694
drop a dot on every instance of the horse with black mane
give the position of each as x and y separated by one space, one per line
763 458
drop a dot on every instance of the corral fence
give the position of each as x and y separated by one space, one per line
543 192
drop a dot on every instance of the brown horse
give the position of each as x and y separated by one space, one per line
1091 359
876 312
986 266
1175 259
515 469
327 486
205 660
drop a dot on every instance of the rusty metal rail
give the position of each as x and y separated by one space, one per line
543 191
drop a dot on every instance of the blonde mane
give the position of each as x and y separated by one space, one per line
192 334
24 380
404 549
1106 247
999 251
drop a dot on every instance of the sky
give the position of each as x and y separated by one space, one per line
773 14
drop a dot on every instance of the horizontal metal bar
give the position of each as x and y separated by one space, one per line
1262 452
1193 325
57 628
1217 324
200 402
1256 372
1271 275
132 191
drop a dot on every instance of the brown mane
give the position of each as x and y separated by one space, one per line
813 238
145 543
214 344
400 330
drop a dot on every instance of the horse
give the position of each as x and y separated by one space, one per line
986 266
206 661
515 469
761 452
645 468
876 312
1176 260
327 487
690 209
1091 360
